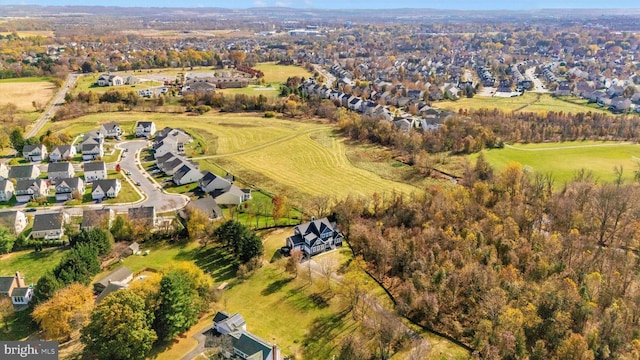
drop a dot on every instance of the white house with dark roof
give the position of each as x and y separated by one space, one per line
145 129
14 221
34 152
65 188
245 344
211 182
172 165
110 80
186 174
24 172
111 129
170 140
315 236
92 145
62 152
60 170
49 226
96 170
108 188
116 280
231 196
27 190
6 190
4 171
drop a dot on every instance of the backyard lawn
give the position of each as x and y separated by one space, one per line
31 264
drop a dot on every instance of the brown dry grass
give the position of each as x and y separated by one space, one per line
22 94
181 34
31 33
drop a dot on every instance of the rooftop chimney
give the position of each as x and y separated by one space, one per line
19 280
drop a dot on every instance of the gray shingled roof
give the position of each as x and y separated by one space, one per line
95 166
142 212
92 218
59 166
44 222
22 171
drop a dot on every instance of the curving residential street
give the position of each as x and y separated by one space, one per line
150 191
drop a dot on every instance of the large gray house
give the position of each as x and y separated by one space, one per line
315 236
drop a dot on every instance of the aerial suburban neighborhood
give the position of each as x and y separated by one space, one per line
268 180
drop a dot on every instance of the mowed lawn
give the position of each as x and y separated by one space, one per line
313 165
23 92
220 133
88 83
31 264
563 160
529 102
274 76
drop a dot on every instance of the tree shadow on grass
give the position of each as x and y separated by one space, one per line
318 341
275 286
214 260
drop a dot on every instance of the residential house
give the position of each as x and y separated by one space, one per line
208 206
6 190
113 281
172 165
170 140
111 130
102 218
620 105
27 190
96 170
231 196
4 171
245 344
62 152
315 237
211 182
34 152
186 174
65 188
16 288
14 221
92 146
60 170
145 215
107 188
145 129
563 89
49 226
109 80
24 172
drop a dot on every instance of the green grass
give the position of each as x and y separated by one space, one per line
529 102
220 133
563 160
274 73
26 79
32 265
88 83
21 326
127 193
303 166
161 256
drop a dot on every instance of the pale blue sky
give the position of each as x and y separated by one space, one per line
344 4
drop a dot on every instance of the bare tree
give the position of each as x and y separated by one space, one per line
293 262
327 269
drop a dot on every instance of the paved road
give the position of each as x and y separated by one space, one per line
55 104
538 86
331 80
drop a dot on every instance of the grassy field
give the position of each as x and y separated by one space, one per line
88 83
23 92
529 102
219 133
32 265
311 164
274 76
274 73
563 160
30 33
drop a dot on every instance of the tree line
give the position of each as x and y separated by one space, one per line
509 266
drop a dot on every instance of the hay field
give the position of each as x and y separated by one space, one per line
22 92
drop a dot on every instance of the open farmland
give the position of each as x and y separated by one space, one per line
23 92
529 102
563 160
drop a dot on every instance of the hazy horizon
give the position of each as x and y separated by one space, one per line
346 4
